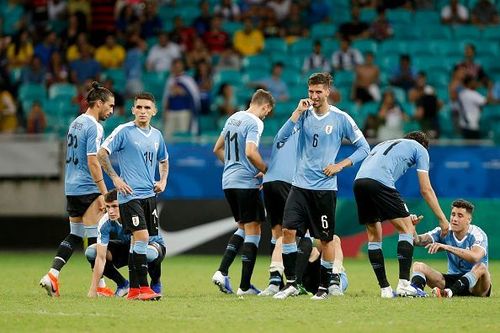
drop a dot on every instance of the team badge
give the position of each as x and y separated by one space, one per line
135 220
328 129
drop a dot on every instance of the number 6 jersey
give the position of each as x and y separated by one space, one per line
241 128
84 139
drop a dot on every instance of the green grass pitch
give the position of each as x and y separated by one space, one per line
192 304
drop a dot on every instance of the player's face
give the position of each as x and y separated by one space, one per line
265 110
459 219
318 93
143 110
106 108
113 210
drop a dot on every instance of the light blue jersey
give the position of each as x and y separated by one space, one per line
84 138
319 141
475 237
107 228
283 158
389 160
241 128
139 152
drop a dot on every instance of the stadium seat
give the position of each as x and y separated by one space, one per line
367 109
231 27
292 77
408 108
461 32
62 90
491 33
418 47
367 15
154 82
399 93
253 75
227 76
301 46
343 78
329 46
436 31
406 32
285 108
387 62
32 92
429 63
438 78
394 47
447 47
257 61
275 45
323 30
399 16
207 123
118 77
297 92
424 16
365 45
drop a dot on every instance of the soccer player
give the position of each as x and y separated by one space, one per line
109 254
378 200
312 199
238 148
466 246
83 181
140 148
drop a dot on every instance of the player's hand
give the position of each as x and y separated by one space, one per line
92 293
332 169
259 175
445 227
416 219
303 105
160 187
121 186
435 248
101 204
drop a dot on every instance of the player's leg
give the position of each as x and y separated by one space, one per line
232 248
304 248
276 270
477 282
376 257
248 257
482 287
117 257
155 254
338 254
91 217
424 274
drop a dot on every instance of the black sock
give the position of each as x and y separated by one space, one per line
141 269
377 260
405 256
91 240
460 286
418 281
65 251
233 246
290 263
325 277
111 272
275 278
248 257
132 277
304 249
154 269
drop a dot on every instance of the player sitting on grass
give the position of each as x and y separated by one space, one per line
109 254
466 246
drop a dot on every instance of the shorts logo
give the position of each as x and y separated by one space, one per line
135 220
328 129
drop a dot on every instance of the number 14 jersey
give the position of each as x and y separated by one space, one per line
241 128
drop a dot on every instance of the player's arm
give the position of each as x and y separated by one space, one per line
96 173
253 155
429 196
474 255
120 185
163 169
219 148
422 240
100 261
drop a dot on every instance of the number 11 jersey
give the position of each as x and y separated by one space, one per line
241 128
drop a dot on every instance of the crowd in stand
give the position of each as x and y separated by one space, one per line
61 42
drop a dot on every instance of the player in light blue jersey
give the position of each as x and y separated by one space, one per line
84 182
140 149
238 148
312 199
466 246
378 200
112 251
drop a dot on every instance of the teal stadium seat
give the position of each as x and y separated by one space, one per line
118 77
275 45
447 47
394 47
436 31
438 78
207 123
429 63
323 30
417 47
343 78
365 45
62 90
298 91
404 31
302 46
254 74
32 92
285 108
427 16
231 27
257 61
154 82
492 33
400 16
461 32
367 15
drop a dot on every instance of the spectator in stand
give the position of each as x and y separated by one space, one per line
181 101
58 71
82 8
183 35
295 25
275 84
380 28
495 92
44 49
111 54
34 73
204 79
318 11
225 103
249 40
119 108
366 83
484 13
202 23
151 23
280 7
20 51
270 26
136 47
354 29
404 75
347 58
470 103
418 90
454 13
82 42
228 60
70 35
36 121
472 68
57 10
198 53
228 10
162 54
127 18
216 39
8 111
426 112
103 20
316 61
454 87
365 3
392 117
85 67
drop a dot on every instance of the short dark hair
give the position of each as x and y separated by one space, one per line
420 137
261 96
145 95
461 203
111 196
324 78
97 93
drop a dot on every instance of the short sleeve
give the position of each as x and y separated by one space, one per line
254 132
103 231
352 132
162 150
435 234
422 158
480 240
94 139
114 142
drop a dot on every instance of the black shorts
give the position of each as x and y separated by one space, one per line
246 204
450 279
119 252
312 210
275 195
377 202
140 214
77 205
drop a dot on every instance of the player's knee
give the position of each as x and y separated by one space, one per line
336 238
288 234
91 252
418 266
479 269
155 251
